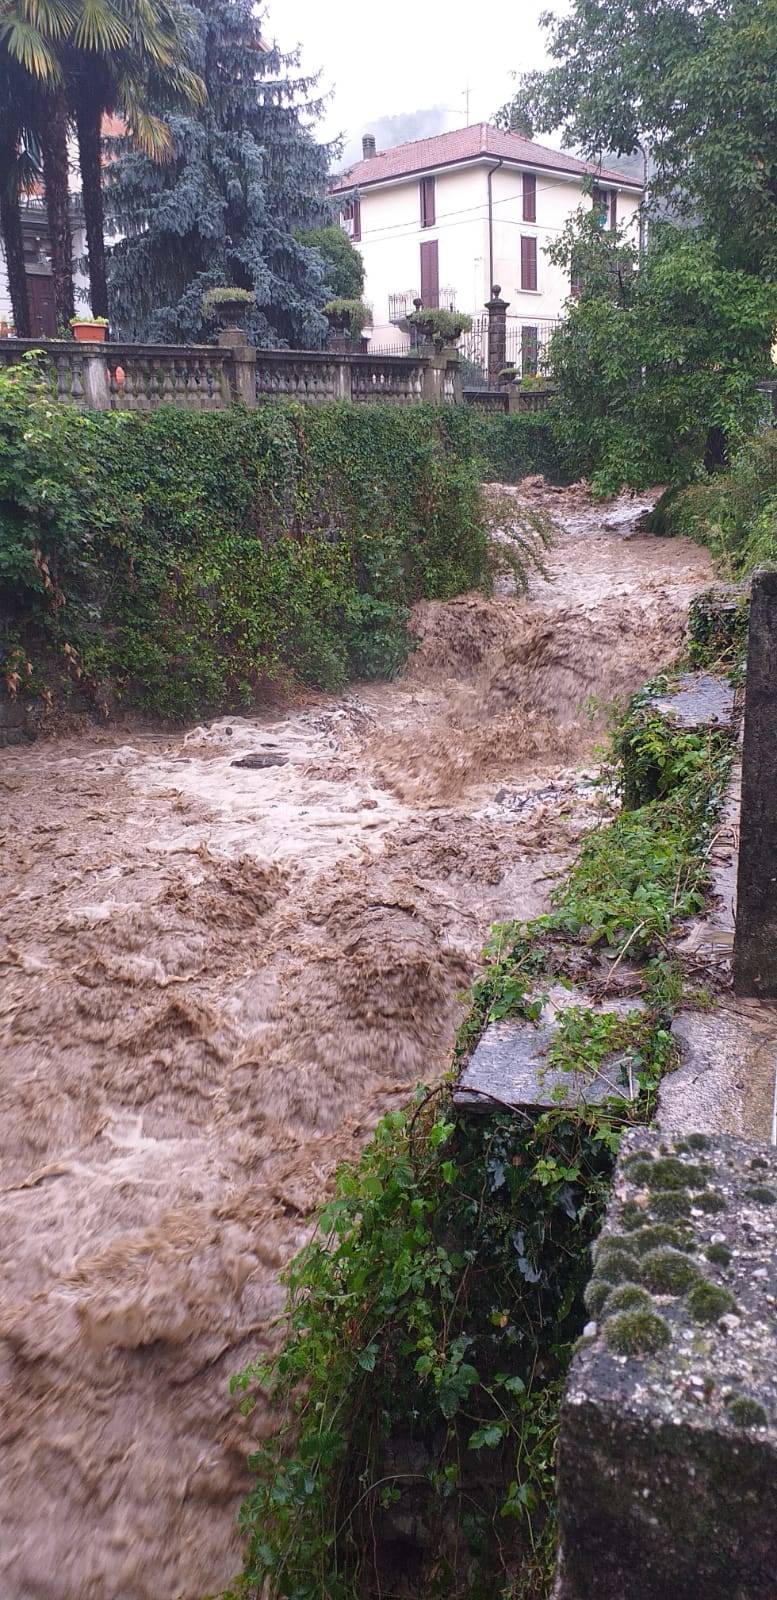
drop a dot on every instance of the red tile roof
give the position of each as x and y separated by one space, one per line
466 144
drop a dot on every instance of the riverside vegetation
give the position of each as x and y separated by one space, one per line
734 512
180 563
431 1319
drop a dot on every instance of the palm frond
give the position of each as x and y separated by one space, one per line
52 18
100 28
27 45
149 134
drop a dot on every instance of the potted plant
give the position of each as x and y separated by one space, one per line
89 330
440 327
347 320
228 307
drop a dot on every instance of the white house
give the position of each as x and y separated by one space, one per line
445 218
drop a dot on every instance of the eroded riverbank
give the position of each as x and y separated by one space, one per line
215 979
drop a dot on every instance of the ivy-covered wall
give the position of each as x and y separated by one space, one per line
510 447
178 562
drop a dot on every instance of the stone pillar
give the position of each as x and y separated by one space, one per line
437 363
433 379
243 365
97 390
497 332
344 389
456 395
755 939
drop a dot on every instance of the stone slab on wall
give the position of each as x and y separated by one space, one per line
696 700
668 1442
509 1066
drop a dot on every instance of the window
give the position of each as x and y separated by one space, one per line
430 273
529 197
528 262
427 203
351 219
605 204
529 351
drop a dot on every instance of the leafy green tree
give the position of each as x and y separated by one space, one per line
246 179
656 366
695 85
343 265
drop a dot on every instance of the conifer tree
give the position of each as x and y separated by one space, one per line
246 179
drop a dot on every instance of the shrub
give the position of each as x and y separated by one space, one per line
214 298
437 323
507 448
735 513
350 315
180 561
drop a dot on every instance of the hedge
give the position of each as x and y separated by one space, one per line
506 447
178 562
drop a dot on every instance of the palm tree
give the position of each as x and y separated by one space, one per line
31 31
81 59
123 56
19 170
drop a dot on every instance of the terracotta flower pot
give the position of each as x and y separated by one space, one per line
89 332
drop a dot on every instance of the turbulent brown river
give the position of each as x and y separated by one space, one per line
214 979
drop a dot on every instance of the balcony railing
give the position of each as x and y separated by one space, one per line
33 208
401 305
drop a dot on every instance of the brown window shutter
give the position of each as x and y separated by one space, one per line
430 273
357 219
427 203
613 210
528 262
529 197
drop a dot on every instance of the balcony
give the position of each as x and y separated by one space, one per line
401 305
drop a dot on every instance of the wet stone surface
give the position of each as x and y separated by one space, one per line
668 1448
696 700
726 1076
258 760
509 1064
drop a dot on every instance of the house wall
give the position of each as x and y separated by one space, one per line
557 199
391 235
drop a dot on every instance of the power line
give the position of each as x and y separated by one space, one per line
397 229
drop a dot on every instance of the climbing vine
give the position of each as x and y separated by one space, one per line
182 561
431 1319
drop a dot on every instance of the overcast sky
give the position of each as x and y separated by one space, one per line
396 57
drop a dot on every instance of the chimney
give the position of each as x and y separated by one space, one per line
368 146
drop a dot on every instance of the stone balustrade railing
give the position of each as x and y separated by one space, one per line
142 377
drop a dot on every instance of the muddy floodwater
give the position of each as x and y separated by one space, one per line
214 977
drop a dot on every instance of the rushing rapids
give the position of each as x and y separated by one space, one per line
216 974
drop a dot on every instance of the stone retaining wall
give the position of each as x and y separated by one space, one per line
668 1446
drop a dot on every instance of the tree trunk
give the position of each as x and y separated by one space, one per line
53 138
88 125
11 232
